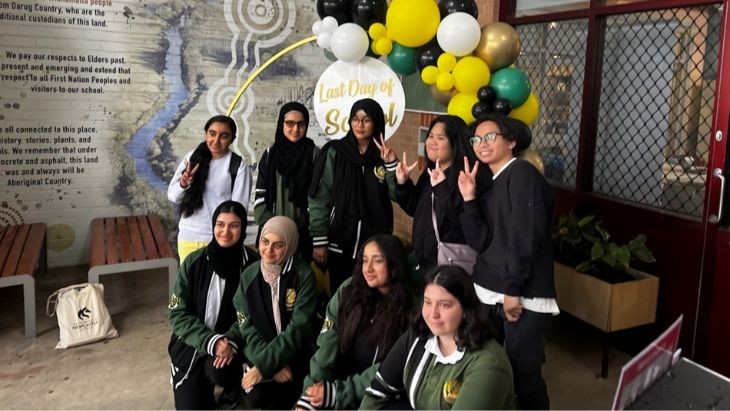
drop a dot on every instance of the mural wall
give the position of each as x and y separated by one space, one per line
99 99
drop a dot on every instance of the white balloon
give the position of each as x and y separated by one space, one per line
458 34
329 24
323 40
317 27
349 42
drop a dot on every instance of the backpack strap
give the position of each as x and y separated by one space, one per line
233 167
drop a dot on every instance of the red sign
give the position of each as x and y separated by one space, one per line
647 366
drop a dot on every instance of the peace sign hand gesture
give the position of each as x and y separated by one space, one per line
385 152
403 170
437 174
468 180
188 175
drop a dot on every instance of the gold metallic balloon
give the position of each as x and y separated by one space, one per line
499 45
442 97
533 157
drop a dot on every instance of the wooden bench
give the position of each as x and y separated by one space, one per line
22 254
131 243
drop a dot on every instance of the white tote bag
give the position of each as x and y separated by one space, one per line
82 314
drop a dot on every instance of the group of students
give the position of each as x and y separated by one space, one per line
394 334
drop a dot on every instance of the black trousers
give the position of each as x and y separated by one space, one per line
196 392
524 341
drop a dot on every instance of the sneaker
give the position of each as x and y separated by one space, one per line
229 398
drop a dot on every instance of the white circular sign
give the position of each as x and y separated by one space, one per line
342 84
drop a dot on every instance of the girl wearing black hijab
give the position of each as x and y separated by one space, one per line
349 199
285 173
201 311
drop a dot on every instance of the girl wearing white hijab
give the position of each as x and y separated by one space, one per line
275 306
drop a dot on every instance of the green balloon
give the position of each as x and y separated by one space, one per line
511 84
402 59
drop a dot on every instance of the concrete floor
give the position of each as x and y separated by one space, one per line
132 371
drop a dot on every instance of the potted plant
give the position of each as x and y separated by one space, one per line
593 277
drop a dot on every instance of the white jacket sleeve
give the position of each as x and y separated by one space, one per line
242 187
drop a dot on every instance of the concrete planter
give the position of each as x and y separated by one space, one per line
609 307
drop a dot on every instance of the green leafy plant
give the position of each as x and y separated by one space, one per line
585 242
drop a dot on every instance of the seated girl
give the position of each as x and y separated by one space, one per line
275 306
449 360
201 310
365 317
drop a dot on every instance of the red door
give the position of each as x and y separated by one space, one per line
635 104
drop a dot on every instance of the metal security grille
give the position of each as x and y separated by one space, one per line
655 113
553 57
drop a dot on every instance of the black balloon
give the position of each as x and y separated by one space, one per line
367 12
447 7
486 94
480 108
428 54
339 9
502 106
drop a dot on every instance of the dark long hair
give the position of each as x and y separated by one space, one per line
474 329
391 311
456 132
193 197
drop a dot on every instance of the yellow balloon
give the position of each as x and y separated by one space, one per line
445 81
446 62
528 111
460 106
534 158
441 97
429 74
470 73
377 31
412 23
383 46
499 45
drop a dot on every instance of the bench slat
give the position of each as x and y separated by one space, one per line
135 236
11 261
147 238
96 252
160 237
30 258
125 248
6 241
110 235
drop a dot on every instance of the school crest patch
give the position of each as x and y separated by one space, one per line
291 298
451 390
240 318
326 325
173 302
379 173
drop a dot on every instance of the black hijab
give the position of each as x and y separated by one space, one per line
227 261
293 161
356 193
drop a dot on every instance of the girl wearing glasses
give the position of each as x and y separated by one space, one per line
285 173
206 177
509 225
351 191
436 193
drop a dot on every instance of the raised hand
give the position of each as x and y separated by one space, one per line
188 175
437 174
468 180
385 152
403 170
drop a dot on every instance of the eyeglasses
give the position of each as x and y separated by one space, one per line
491 136
365 121
292 123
